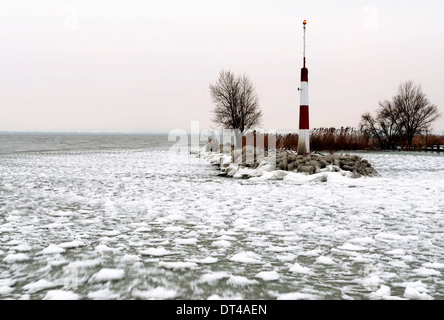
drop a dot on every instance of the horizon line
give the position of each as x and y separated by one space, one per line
160 132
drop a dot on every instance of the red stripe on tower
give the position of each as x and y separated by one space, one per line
304 114
304 118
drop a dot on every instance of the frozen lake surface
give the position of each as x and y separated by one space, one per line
112 220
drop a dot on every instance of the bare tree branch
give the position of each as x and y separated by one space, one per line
409 113
236 103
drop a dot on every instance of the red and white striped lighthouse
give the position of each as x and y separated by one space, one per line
304 123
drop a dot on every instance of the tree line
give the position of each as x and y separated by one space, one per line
396 122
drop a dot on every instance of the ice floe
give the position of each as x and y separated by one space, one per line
61 295
247 257
179 230
107 274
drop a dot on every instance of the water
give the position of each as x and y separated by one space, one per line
111 217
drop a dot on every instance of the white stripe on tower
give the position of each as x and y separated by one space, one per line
304 122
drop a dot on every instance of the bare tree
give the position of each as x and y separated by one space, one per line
414 109
384 127
409 113
236 104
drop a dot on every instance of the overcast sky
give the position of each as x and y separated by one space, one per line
146 65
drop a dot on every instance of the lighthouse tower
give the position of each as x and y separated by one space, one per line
304 124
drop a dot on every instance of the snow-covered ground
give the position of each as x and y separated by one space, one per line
130 224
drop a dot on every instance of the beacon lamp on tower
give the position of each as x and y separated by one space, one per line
304 123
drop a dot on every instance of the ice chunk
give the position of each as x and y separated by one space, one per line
207 260
296 296
240 281
414 294
111 233
107 274
61 295
247 257
427 272
221 243
325 260
373 281
226 297
24 247
388 237
352 247
52 249
105 248
190 241
159 293
383 291
104 294
397 252
72 244
297 268
214 277
311 253
364 240
16 257
362 259
4 290
84 264
268 275
398 264
174 229
130 258
156 252
434 265
281 249
178 265
40 285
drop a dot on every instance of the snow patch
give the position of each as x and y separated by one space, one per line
16 257
156 252
4 290
104 294
427 272
268 275
384 291
52 249
104 248
415 294
72 244
240 281
40 285
372 281
22 247
107 274
352 247
221 243
159 293
178 265
325 260
247 257
190 241
296 296
207 260
61 295
297 268
214 277
434 265
396 252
